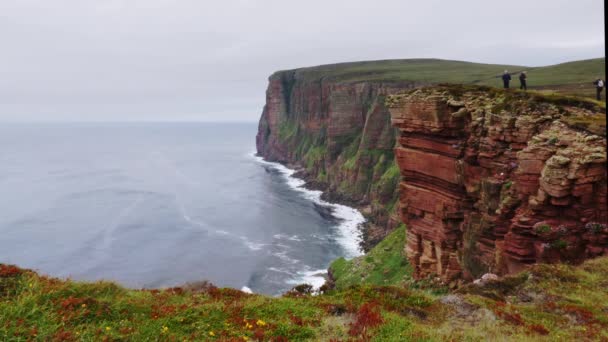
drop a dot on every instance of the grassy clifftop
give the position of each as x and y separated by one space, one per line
572 77
546 303
385 264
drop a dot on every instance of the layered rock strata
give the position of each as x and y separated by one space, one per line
340 135
493 181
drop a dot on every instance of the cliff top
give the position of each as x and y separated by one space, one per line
572 77
577 112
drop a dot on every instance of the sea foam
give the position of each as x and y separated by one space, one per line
350 218
348 235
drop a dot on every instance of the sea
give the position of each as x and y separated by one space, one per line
158 204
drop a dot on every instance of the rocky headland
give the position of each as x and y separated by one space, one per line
340 138
486 180
462 181
493 181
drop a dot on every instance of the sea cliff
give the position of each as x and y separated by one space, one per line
485 180
339 136
493 180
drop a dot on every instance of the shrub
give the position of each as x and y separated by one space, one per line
559 244
542 229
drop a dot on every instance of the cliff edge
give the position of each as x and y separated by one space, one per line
332 123
339 135
494 180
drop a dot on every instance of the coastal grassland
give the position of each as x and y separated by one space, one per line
424 70
574 78
385 264
544 303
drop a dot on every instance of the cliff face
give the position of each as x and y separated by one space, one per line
493 181
340 134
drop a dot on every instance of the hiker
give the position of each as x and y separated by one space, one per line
599 86
522 81
506 78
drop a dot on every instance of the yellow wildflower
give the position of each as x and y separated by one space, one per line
260 323
108 328
211 333
164 329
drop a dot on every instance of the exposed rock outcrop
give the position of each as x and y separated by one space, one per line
340 134
493 181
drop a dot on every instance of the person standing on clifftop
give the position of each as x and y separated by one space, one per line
506 78
522 81
599 86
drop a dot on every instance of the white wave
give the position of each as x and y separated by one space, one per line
278 270
350 218
283 256
254 246
316 278
187 218
287 237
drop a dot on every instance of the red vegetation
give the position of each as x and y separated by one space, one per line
9 271
539 328
296 320
279 339
259 334
72 303
581 315
513 318
367 317
63 335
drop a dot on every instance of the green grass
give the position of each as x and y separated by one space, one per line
428 70
545 303
572 72
314 156
388 182
287 130
385 264
569 78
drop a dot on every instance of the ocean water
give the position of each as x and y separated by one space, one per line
162 204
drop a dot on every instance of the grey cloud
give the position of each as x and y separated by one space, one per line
203 60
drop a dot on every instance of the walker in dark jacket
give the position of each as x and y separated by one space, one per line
599 86
506 78
522 81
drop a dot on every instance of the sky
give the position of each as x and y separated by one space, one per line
177 60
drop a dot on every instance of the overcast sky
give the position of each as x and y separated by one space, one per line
210 60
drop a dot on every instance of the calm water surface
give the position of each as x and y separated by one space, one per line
161 204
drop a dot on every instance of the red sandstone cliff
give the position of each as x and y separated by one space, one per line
493 181
339 133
